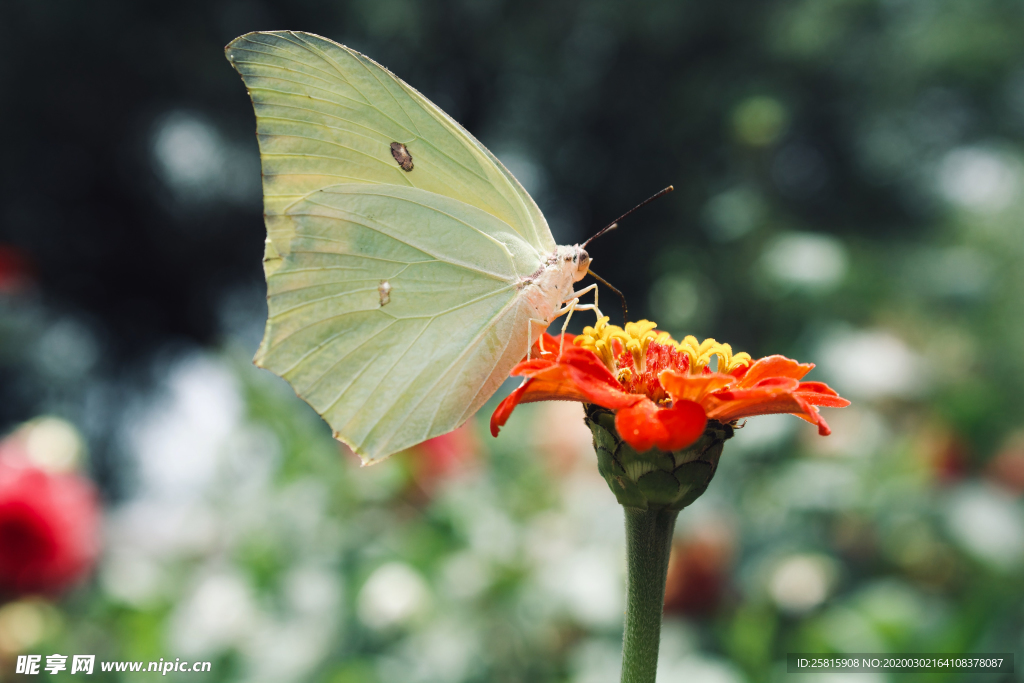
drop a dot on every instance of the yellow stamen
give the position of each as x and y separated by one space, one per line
637 337
599 340
701 353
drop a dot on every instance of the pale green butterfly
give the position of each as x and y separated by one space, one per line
407 270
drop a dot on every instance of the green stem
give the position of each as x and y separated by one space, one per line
648 543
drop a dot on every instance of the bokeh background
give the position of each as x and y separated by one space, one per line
850 186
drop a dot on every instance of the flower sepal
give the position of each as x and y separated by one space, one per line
655 479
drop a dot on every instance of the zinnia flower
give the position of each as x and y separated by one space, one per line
663 392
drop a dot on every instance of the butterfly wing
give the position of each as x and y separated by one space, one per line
327 115
394 300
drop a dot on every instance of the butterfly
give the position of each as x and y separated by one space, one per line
407 270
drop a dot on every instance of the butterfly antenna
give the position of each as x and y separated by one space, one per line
615 223
625 309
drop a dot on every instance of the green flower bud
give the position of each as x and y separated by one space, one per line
654 478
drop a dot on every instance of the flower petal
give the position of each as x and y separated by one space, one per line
685 422
580 376
820 394
685 387
638 427
575 375
765 400
530 391
774 366
644 425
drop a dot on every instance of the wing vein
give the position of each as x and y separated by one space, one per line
426 394
499 243
309 388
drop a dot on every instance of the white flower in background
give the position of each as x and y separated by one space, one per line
444 651
465 575
805 261
979 179
189 152
701 668
51 444
492 534
394 594
596 660
315 593
178 438
220 613
197 164
588 583
870 364
282 652
289 646
132 576
577 562
988 523
799 583
161 529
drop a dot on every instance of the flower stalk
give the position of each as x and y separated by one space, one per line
652 486
648 545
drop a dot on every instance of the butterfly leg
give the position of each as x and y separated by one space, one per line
571 305
529 336
567 309
574 305
588 307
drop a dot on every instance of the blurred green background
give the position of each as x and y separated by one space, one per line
849 179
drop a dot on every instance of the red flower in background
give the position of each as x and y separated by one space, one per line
1007 467
664 392
49 528
698 572
15 271
443 456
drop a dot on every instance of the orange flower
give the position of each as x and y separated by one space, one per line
663 392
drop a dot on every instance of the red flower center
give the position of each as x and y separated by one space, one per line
644 380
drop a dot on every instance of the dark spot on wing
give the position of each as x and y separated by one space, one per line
401 154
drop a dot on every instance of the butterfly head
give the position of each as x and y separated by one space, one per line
580 262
